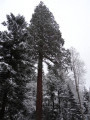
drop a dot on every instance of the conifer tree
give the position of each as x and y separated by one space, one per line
72 107
14 62
47 44
86 103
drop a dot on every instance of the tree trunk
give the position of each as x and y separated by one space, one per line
39 89
4 100
77 90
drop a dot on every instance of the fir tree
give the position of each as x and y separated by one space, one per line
72 107
86 103
14 64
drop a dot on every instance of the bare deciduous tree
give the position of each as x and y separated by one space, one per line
77 67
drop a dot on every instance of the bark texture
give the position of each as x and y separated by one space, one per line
39 89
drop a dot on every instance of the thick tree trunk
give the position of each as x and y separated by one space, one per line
4 100
39 89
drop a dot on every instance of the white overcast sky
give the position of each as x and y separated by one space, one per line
73 17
